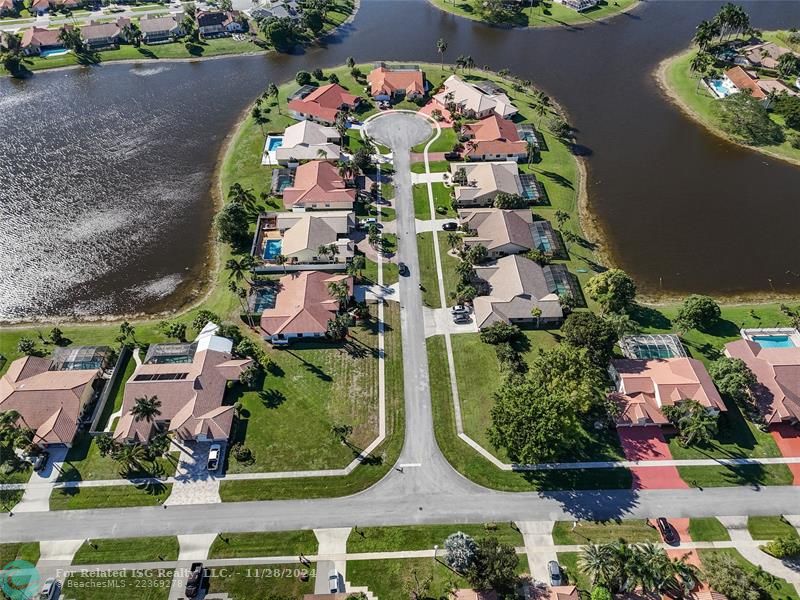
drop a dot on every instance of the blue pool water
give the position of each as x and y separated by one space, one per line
773 341
274 143
264 299
54 52
720 88
271 249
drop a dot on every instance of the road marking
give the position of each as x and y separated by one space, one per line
409 465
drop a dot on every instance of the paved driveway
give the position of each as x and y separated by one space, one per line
788 440
648 443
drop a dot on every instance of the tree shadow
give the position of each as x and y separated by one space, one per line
147 53
649 317
558 179
272 398
584 504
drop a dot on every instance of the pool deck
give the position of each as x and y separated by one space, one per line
268 157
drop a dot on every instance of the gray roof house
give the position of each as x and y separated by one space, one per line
160 29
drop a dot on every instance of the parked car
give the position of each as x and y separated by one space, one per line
554 570
452 156
49 589
213 457
195 580
667 532
40 462
333 581
402 269
459 309
461 318
450 226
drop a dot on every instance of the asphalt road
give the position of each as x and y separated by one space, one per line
423 488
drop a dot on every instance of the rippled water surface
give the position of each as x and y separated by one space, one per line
105 173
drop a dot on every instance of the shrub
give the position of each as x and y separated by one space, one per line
697 312
783 547
303 78
499 332
242 454
26 346
460 549
318 74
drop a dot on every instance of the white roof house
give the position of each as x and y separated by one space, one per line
484 181
308 140
472 100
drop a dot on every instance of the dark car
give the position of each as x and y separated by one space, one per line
667 532
450 226
461 318
195 580
452 156
40 462
402 269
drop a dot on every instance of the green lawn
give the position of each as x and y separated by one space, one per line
10 499
699 102
427 270
84 462
390 273
441 202
770 528
780 590
366 474
114 402
28 551
275 543
707 529
601 532
113 585
254 582
436 166
425 537
573 574
127 550
725 476
112 496
543 14
444 143
422 204
473 466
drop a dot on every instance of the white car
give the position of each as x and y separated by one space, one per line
333 581
213 457
49 589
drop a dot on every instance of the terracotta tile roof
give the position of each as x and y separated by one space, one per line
324 102
49 402
765 55
778 373
191 405
744 81
387 81
303 304
498 228
40 4
493 135
41 36
645 386
318 182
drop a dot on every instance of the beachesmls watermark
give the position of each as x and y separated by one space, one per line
19 580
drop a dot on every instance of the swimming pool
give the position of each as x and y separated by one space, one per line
264 298
721 87
773 341
273 143
54 52
272 248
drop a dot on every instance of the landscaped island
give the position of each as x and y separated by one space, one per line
741 84
538 13
158 31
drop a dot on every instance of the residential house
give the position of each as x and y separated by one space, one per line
474 102
388 83
298 236
158 30
774 358
502 232
562 592
579 5
303 306
645 386
484 181
742 80
471 594
189 380
216 23
97 36
318 185
493 138
517 286
36 40
51 395
763 55
7 7
308 140
322 104
39 7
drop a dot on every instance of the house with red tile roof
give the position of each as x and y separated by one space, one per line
7 7
50 395
777 369
493 138
303 306
644 387
386 83
318 185
743 80
322 104
189 380
37 39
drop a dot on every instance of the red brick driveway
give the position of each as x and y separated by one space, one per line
648 443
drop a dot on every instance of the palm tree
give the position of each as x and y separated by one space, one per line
259 118
454 240
239 195
356 265
705 32
465 270
280 259
441 48
531 151
272 92
541 111
469 62
700 64
146 408
133 34
130 456
562 217
341 291
597 562
341 125
323 251
238 269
